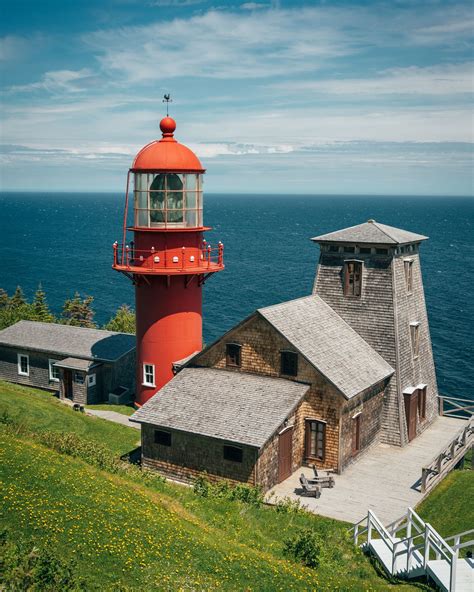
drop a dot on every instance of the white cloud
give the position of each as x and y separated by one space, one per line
59 81
450 79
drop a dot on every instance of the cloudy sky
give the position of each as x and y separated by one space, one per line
315 97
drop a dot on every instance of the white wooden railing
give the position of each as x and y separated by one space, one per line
412 543
448 458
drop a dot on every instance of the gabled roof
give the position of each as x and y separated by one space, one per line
371 232
76 342
223 404
328 343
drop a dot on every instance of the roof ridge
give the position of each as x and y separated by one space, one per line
309 296
378 224
68 325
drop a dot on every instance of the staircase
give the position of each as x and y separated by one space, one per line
411 548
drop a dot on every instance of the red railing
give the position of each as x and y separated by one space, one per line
192 259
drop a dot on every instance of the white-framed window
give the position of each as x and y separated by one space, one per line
53 371
148 375
91 380
79 377
23 365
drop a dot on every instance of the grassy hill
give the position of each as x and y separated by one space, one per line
127 533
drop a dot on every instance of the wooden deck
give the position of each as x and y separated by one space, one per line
386 479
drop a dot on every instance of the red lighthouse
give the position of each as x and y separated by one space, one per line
168 259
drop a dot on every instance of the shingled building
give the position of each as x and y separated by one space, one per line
318 380
80 364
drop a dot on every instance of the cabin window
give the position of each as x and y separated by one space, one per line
79 377
148 375
288 363
53 371
356 434
365 250
408 263
353 278
422 402
315 439
381 251
349 249
233 354
91 380
163 438
23 365
233 453
333 249
415 338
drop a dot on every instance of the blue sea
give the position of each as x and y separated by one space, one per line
64 241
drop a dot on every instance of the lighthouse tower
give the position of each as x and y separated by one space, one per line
168 260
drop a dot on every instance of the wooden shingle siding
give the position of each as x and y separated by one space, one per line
190 455
38 364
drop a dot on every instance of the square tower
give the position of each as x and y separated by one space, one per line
370 275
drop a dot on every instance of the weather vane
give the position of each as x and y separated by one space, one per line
167 99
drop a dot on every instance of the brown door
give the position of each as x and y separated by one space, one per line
411 406
284 454
68 384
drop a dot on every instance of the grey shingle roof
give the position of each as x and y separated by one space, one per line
328 343
77 364
94 344
232 406
371 232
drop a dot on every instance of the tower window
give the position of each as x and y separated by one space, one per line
289 363
333 249
353 278
349 249
365 250
415 338
233 453
233 354
148 375
408 263
381 251
162 437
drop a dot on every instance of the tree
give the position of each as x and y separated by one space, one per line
40 307
78 311
4 300
18 299
123 321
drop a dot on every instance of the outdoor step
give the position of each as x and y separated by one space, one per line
438 570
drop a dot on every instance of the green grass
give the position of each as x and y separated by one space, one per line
129 534
124 409
41 411
449 508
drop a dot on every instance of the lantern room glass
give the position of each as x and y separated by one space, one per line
168 200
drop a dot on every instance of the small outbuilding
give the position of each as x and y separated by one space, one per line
83 365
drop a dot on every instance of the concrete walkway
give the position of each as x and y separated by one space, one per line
113 416
386 479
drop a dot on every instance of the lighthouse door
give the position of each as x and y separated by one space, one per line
411 406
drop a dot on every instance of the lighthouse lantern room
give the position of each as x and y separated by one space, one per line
168 260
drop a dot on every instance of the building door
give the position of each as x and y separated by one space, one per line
67 381
285 451
411 407
356 434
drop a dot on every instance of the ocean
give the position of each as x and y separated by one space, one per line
64 241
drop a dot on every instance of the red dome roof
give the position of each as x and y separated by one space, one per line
167 154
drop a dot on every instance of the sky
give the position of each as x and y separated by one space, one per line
274 97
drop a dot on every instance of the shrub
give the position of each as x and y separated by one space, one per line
225 490
305 546
286 505
26 567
